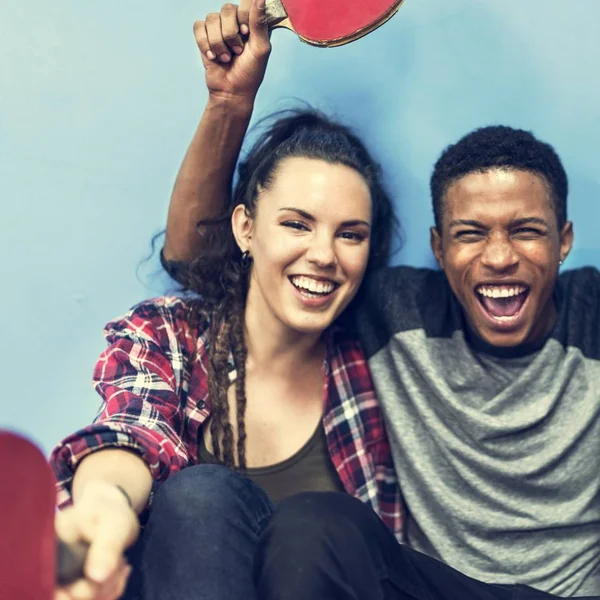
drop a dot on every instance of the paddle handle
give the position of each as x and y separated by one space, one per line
276 14
70 559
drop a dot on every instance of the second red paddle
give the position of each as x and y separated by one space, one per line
29 551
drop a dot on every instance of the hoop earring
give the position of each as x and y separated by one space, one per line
245 260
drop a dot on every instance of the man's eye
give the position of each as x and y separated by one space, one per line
295 225
528 231
469 234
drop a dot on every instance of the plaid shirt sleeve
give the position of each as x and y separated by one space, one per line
139 377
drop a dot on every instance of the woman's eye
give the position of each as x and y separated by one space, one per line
352 235
295 225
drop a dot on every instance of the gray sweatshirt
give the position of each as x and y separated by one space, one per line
497 451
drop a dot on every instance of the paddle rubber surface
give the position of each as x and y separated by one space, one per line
27 537
323 21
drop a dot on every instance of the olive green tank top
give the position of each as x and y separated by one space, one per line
308 470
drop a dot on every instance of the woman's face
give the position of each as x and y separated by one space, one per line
309 242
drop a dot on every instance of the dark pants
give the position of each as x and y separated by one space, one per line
214 535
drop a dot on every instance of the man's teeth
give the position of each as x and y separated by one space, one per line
314 286
500 291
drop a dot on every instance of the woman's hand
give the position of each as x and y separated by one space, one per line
103 518
235 48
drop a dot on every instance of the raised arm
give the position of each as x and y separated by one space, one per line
234 45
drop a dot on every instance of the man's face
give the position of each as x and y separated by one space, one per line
500 248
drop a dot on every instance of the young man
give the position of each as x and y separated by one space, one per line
488 371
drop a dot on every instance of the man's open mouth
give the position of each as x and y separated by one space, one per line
502 302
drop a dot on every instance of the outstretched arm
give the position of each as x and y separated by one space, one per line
108 468
234 70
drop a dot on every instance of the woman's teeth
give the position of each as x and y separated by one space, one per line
313 287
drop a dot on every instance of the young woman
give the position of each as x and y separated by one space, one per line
247 390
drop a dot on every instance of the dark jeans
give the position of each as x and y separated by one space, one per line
201 537
214 535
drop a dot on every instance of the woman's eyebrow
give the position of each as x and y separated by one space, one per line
299 211
309 217
354 222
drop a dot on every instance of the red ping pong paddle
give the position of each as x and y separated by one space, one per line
328 23
31 560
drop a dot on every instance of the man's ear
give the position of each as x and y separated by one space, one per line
566 240
435 239
242 225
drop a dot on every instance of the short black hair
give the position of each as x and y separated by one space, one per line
499 146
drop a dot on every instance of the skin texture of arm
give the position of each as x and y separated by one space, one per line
234 70
203 183
117 468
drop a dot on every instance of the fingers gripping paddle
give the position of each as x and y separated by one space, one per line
29 553
330 23
70 559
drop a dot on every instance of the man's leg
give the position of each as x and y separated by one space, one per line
331 546
523 592
201 536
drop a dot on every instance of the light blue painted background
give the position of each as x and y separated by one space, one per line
98 102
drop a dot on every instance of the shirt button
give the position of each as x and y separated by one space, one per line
201 405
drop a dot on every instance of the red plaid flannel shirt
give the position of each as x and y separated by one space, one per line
155 397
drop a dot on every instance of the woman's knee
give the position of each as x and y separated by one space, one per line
201 490
207 516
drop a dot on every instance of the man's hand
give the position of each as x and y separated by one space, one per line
234 45
102 518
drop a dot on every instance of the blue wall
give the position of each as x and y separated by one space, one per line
98 102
